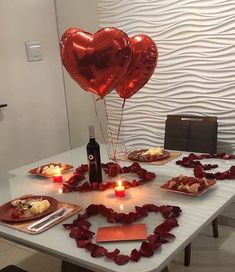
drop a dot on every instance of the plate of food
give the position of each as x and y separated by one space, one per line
27 208
148 155
50 169
188 185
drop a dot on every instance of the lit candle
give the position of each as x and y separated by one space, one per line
120 189
57 177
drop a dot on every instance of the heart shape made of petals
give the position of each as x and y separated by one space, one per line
80 230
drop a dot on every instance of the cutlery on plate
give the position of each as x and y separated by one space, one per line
52 217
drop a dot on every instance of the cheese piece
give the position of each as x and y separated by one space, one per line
193 188
39 206
154 151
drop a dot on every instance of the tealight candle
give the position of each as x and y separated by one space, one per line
120 190
57 177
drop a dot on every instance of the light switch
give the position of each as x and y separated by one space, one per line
33 50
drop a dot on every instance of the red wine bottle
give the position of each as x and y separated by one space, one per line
93 158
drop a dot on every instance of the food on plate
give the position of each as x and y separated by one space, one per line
39 206
24 204
148 155
187 184
30 206
50 169
154 151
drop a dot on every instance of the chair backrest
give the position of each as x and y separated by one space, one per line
191 133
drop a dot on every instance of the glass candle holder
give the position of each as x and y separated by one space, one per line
120 190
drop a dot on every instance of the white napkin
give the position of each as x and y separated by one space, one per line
68 210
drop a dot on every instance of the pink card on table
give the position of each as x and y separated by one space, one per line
122 233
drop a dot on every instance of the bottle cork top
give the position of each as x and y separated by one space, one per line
91 132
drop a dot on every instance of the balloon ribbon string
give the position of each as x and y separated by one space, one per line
110 130
101 129
119 127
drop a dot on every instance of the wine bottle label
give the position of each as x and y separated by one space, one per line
91 157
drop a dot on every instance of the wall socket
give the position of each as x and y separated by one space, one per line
33 50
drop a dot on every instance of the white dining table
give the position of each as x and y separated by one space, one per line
197 212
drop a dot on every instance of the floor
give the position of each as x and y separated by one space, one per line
208 254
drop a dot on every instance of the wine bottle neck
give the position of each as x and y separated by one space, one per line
91 132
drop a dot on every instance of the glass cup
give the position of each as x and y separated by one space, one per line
117 150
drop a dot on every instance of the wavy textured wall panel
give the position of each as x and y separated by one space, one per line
196 66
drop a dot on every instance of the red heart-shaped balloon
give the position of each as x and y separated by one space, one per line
143 63
96 61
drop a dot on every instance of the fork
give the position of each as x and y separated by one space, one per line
53 216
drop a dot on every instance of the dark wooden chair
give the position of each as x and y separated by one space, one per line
191 133
12 268
195 134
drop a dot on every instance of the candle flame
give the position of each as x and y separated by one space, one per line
60 191
119 183
121 207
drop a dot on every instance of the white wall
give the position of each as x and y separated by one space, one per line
81 109
196 67
34 125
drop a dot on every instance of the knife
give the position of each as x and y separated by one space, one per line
52 217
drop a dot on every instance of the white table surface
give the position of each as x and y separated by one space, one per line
197 211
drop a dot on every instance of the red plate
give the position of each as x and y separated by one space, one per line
7 209
136 155
211 182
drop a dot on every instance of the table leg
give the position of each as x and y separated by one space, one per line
187 255
69 267
215 228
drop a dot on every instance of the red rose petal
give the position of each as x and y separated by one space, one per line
198 172
232 172
111 218
92 210
91 246
84 223
135 167
95 186
135 255
152 238
87 234
113 171
121 259
68 226
146 249
102 187
155 246
82 243
75 232
167 235
112 255
142 211
98 251
151 207
171 222
126 219
82 169
149 176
